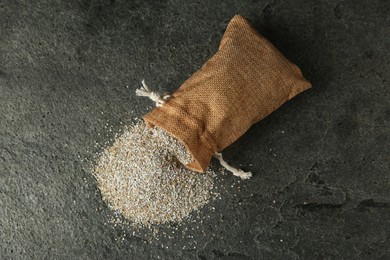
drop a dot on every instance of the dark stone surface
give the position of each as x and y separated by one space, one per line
321 162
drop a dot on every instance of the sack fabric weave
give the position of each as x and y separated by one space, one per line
243 82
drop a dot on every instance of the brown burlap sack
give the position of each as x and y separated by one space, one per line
242 83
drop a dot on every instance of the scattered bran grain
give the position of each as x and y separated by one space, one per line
142 177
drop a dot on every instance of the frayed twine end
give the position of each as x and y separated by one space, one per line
145 91
236 172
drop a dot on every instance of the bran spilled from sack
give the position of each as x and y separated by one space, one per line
142 177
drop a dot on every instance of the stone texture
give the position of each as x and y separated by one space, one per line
321 162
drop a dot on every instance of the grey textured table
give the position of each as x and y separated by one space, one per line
321 162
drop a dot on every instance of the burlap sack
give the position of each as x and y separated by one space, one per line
242 83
